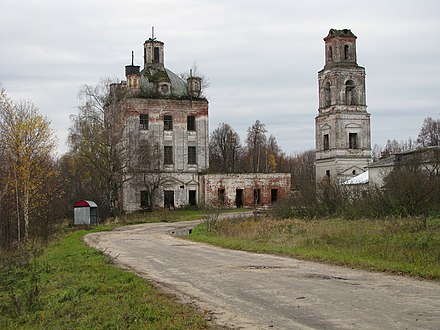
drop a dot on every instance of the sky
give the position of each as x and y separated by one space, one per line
261 57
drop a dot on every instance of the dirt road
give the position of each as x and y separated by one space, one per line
255 291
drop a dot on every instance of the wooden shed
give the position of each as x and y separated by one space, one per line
85 213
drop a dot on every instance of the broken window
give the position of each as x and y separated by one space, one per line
257 196
221 196
352 140
349 92
327 173
326 142
192 155
168 155
143 121
168 122
156 55
144 199
191 123
327 94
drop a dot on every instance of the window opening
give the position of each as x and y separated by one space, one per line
156 55
167 122
273 195
192 155
191 123
168 199
346 51
168 155
330 53
352 140
327 173
327 94
349 92
143 121
221 196
239 198
257 195
192 197
326 142
144 199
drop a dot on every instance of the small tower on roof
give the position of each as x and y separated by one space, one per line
342 127
153 53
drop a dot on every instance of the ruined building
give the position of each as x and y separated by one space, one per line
342 127
164 125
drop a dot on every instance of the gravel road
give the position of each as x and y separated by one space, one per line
257 291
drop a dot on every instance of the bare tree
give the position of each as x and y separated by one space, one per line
256 144
429 134
224 149
97 136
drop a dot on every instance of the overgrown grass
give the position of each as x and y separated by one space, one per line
404 246
72 286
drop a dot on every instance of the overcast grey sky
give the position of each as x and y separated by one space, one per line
261 57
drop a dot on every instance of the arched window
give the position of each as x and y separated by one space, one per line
330 54
327 94
350 96
346 51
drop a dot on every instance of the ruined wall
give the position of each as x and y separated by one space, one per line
224 189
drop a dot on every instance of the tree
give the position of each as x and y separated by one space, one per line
224 149
429 134
256 146
97 137
273 152
27 147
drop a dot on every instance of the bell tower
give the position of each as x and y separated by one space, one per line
342 127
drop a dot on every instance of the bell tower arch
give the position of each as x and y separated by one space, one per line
342 127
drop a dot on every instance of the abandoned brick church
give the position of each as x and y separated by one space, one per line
165 128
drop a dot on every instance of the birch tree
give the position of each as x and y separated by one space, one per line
27 147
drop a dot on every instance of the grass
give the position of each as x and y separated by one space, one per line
72 286
401 246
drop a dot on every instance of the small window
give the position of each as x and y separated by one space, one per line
143 121
168 122
191 123
330 54
327 173
144 199
192 155
168 155
326 142
352 140
221 196
346 51
156 55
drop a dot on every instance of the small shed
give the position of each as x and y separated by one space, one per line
85 213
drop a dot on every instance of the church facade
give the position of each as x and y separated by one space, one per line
342 127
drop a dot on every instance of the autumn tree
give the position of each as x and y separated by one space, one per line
429 134
97 137
27 147
256 146
224 149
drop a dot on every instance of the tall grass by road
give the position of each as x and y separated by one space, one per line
72 286
403 246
